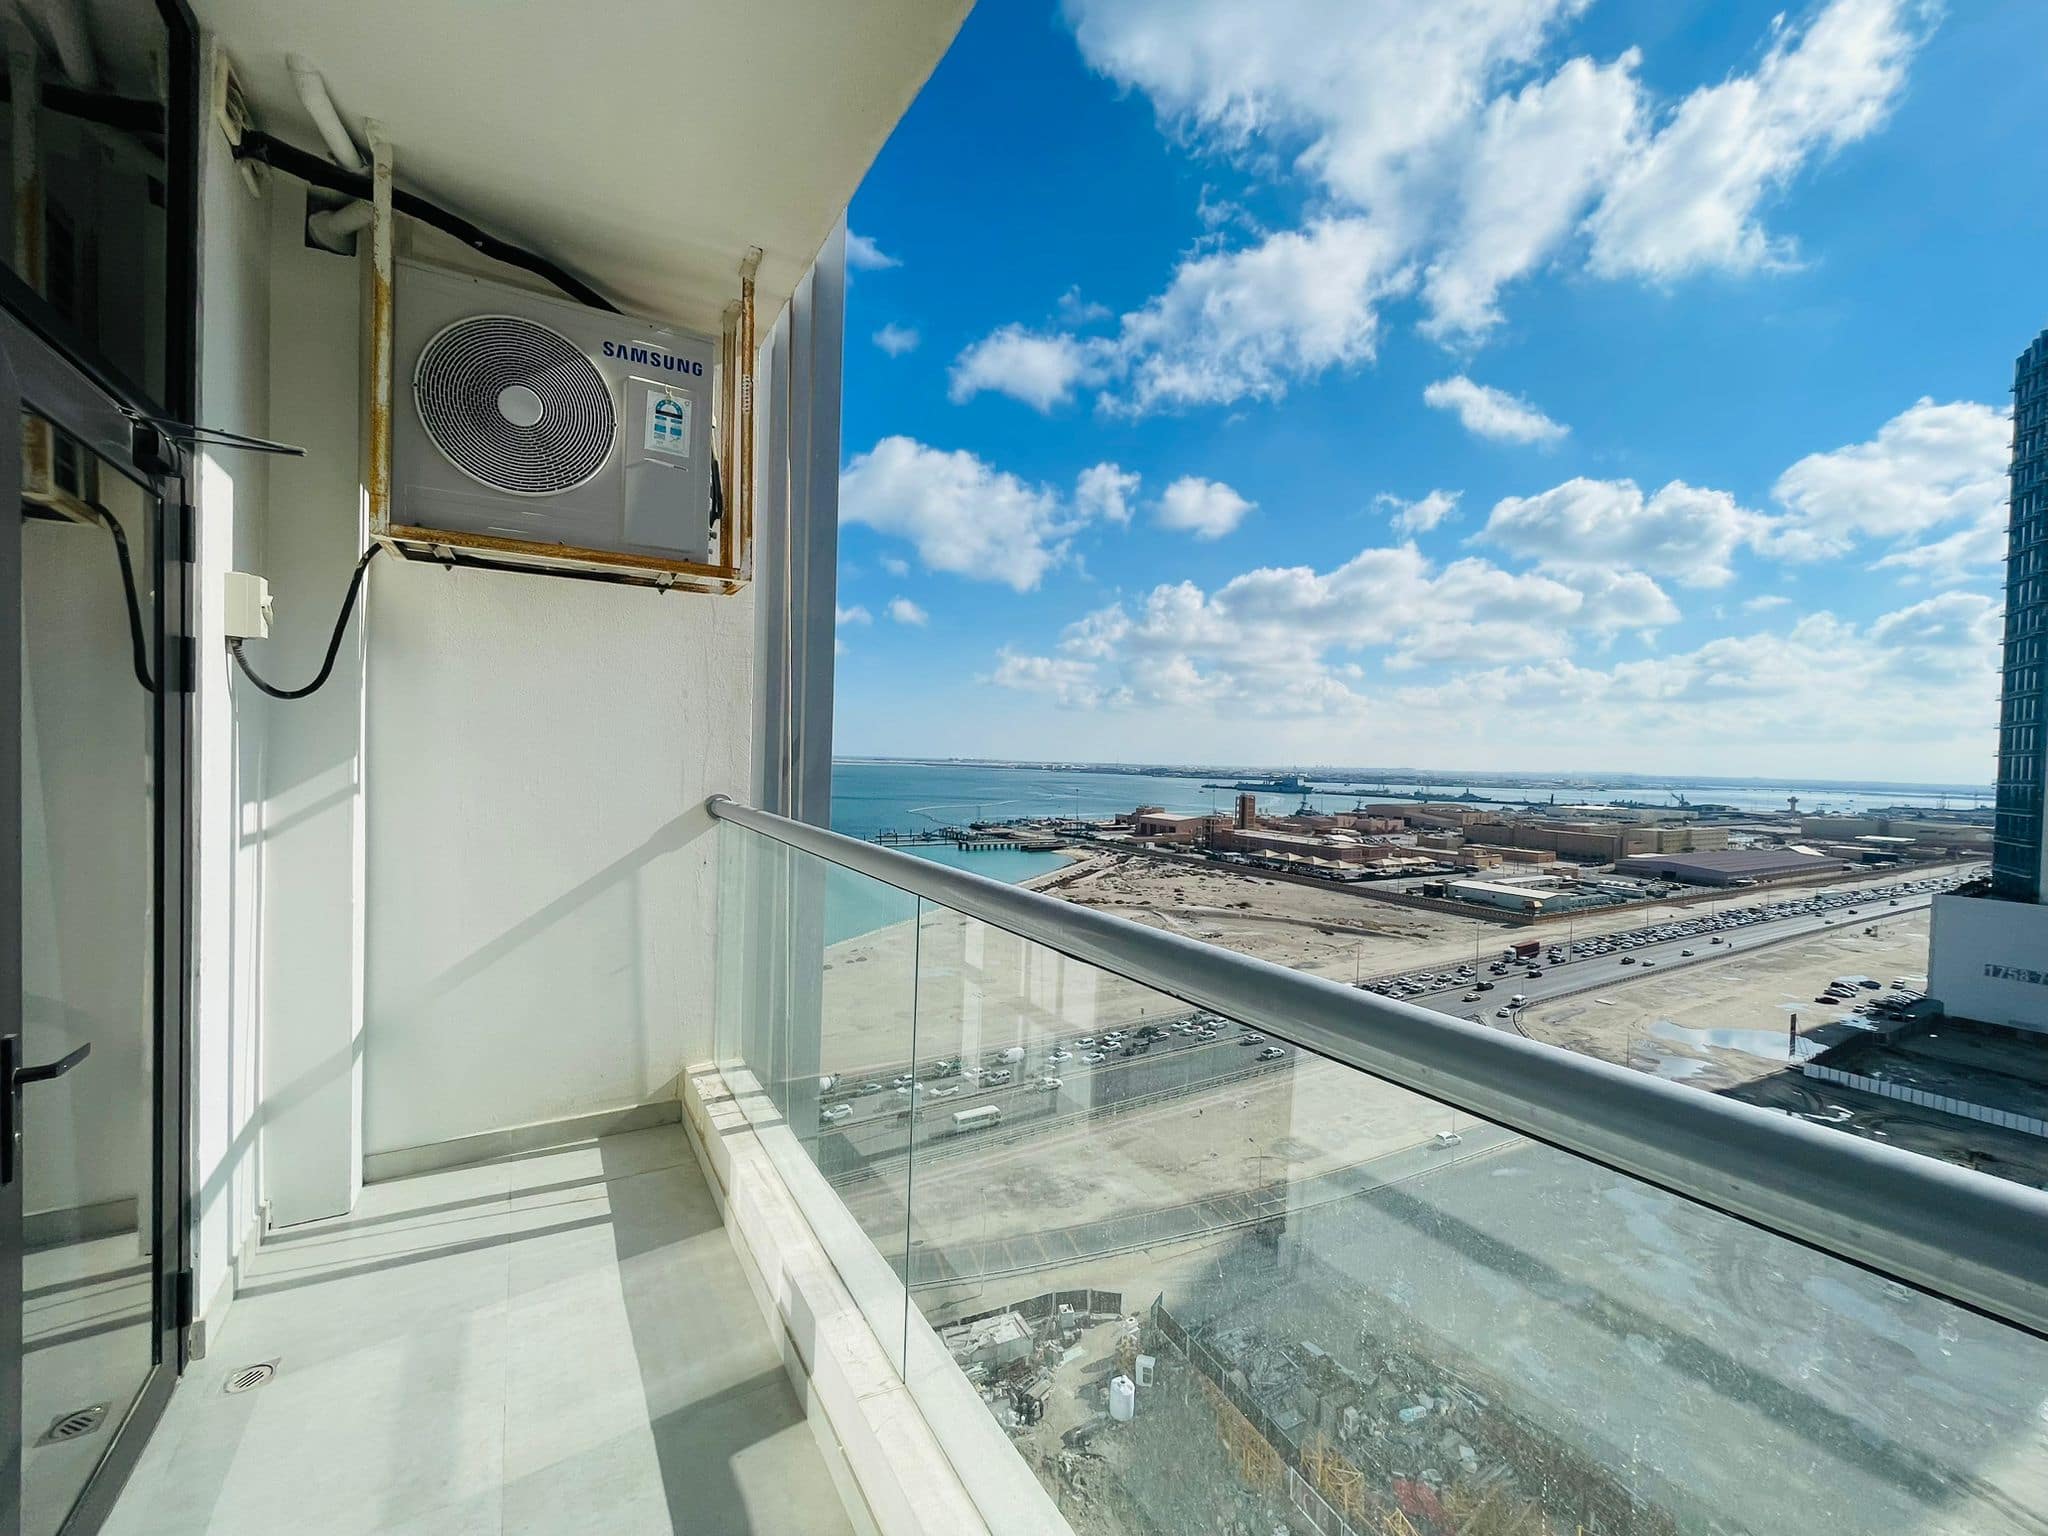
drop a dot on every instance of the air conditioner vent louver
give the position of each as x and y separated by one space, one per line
514 405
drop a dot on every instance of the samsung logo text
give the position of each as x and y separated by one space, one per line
650 357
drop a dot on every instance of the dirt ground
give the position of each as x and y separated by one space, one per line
1337 932
1717 1023
977 988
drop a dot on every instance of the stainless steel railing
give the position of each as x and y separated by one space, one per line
1966 1237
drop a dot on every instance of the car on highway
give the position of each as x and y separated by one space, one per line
1448 1138
1271 1053
1059 1055
1251 1039
832 1114
1094 1058
1500 1013
870 1088
945 1093
1628 959
1086 1041
1469 997
1048 1085
1687 954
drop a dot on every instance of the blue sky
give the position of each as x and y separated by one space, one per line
1488 384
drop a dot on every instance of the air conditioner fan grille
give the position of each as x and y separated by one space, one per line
469 371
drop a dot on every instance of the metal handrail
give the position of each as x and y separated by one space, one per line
1966 1237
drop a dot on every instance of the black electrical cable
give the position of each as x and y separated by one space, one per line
348 606
138 643
315 171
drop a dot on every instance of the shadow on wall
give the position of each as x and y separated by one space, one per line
571 1009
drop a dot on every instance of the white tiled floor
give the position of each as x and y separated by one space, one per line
556 1342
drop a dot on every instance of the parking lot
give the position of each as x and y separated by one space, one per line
1518 972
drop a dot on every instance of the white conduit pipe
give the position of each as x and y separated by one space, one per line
320 107
332 227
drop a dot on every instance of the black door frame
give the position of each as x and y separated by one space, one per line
35 377
48 370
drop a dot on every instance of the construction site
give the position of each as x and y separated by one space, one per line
1515 1344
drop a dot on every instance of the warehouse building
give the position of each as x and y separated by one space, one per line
1729 866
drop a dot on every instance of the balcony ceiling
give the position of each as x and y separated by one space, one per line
642 146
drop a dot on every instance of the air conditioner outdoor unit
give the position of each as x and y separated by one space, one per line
532 425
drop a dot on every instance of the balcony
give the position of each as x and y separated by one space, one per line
997 1214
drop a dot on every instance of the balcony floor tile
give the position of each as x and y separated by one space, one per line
561 1341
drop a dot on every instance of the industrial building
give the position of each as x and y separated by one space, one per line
1588 842
1989 954
1729 866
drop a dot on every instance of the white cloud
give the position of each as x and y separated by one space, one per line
1286 640
863 255
903 611
1919 679
1617 600
1409 517
1039 368
894 566
1492 413
1245 323
1077 310
1106 491
1959 557
1767 600
1537 159
1066 682
1954 635
1689 196
1206 508
1363 89
1449 152
855 615
1681 531
1929 466
962 514
897 339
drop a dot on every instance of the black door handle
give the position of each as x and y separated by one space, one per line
13 1077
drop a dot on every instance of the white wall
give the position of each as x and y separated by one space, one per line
1973 937
312 831
467 887
541 872
228 726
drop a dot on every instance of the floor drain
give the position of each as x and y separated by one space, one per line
250 1377
73 1425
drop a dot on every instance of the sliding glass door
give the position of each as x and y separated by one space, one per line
97 311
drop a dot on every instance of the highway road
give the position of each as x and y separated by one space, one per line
877 1126
1655 959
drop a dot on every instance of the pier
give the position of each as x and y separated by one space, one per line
969 840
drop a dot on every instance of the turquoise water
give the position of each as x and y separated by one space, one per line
856 905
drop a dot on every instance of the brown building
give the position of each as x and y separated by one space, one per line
1166 827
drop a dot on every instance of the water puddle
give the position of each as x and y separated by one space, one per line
1767 1043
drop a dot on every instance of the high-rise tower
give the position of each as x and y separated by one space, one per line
2017 868
1988 958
